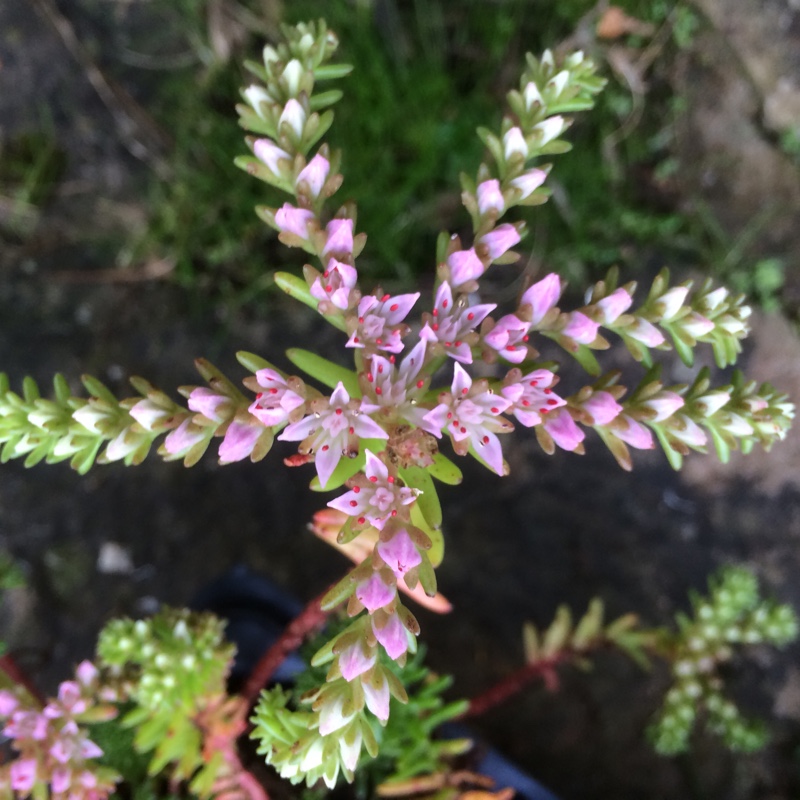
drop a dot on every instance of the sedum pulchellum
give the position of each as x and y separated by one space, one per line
374 432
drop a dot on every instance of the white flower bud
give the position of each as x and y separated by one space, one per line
294 114
672 301
292 74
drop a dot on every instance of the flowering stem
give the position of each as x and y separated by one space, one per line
308 621
514 683
16 674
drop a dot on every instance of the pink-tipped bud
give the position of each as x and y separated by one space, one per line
294 115
645 332
294 220
542 296
529 182
611 307
563 430
665 404
603 408
400 553
580 328
634 433
501 239
340 239
315 173
373 593
239 441
270 154
464 266
490 198
211 405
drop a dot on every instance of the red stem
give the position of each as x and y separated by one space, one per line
14 671
516 682
310 619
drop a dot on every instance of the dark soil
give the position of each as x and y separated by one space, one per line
560 529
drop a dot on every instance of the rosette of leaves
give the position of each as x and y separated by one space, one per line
732 614
172 668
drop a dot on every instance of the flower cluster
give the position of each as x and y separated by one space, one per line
55 751
173 669
733 614
375 437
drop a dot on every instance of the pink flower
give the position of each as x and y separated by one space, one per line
69 695
60 779
270 154
490 198
314 175
376 694
611 307
396 389
633 433
471 419
8 703
356 659
541 297
580 328
213 406
399 553
374 593
464 266
393 636
645 332
563 430
240 439
331 431
532 398
379 321
452 325
529 182
23 775
27 725
274 405
602 407
508 337
499 240
335 284
294 220
340 239
375 499
86 673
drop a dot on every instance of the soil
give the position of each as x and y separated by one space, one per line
559 529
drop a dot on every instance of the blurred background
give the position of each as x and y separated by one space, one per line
129 246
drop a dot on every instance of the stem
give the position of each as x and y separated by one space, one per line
15 673
310 619
517 681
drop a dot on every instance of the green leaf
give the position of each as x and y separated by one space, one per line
331 71
436 552
97 389
428 499
673 456
298 289
586 358
30 391
326 372
723 448
254 363
338 593
325 99
427 577
444 470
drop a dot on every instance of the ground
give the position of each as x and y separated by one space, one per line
561 528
